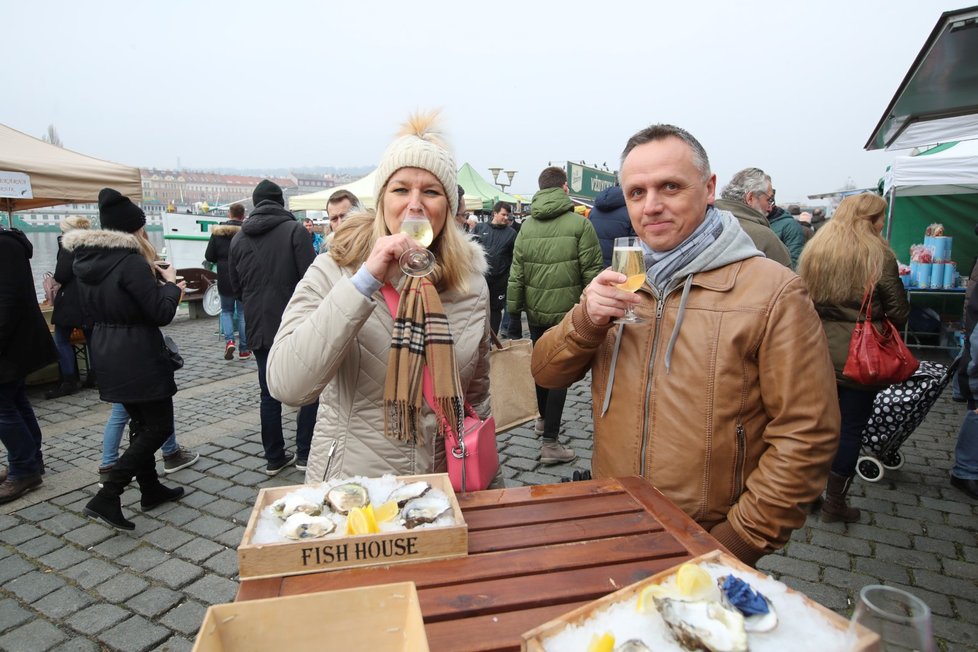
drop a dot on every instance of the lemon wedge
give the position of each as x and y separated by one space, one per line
602 643
358 521
646 602
693 581
386 512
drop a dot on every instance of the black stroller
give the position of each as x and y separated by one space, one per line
897 411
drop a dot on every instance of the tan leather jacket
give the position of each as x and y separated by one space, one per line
739 427
334 341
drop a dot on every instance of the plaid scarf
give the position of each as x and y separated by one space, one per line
422 341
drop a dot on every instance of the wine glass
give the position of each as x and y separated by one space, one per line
417 262
902 620
628 258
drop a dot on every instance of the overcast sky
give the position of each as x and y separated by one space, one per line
793 87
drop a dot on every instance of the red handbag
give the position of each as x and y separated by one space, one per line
877 357
472 459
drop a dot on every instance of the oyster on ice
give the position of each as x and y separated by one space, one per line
303 526
409 491
704 625
424 510
633 645
288 505
342 498
757 610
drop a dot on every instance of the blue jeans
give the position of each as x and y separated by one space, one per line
112 437
966 450
228 307
19 432
270 411
66 354
856 406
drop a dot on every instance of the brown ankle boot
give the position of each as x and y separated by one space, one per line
834 507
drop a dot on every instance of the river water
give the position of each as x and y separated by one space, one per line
46 255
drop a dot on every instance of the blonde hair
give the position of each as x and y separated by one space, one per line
847 255
358 232
147 249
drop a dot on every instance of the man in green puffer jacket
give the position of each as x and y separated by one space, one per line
556 255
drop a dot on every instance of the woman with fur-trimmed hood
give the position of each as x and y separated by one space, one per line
338 338
117 279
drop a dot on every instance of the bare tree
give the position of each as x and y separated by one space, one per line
52 136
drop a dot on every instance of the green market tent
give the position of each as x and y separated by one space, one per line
939 185
476 186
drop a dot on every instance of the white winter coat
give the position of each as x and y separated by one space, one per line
333 343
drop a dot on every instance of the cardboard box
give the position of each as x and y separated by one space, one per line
533 639
332 553
383 618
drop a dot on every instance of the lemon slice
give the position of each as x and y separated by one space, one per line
356 522
693 581
646 604
368 512
602 643
386 512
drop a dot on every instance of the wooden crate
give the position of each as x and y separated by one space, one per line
382 618
332 553
532 641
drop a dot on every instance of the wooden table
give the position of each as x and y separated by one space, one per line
534 553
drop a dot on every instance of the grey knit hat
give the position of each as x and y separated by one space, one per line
420 145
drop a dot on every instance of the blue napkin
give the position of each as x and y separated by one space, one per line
747 601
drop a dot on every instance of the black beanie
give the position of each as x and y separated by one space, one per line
267 190
118 213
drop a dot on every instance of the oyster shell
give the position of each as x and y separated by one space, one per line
633 645
303 526
288 505
760 622
704 625
409 491
342 498
424 510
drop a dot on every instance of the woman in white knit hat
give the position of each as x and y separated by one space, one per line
337 335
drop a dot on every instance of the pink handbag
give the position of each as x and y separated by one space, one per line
473 459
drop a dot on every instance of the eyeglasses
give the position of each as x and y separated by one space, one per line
769 198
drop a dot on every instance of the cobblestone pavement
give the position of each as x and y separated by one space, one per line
69 583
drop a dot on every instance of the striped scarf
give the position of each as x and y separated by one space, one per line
422 341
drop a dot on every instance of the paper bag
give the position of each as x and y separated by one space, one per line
514 396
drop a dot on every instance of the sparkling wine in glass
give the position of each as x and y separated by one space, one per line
901 619
417 262
628 258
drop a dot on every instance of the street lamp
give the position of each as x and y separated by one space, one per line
502 185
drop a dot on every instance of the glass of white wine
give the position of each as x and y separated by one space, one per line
628 258
417 262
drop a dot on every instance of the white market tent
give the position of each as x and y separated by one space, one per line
60 176
951 171
363 188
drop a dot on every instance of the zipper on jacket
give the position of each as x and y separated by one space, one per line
741 453
659 309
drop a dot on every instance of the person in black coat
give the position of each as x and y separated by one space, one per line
118 284
25 346
609 217
268 258
218 248
498 239
68 313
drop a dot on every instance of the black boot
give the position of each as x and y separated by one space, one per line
834 507
68 386
155 494
109 509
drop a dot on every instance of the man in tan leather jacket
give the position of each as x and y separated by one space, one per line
724 397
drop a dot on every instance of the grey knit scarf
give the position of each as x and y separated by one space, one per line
663 265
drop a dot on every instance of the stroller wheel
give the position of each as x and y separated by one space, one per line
869 469
893 461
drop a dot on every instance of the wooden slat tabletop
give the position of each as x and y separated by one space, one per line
534 553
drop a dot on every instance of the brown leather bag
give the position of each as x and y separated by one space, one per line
877 357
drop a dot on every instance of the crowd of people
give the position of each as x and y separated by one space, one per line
704 397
